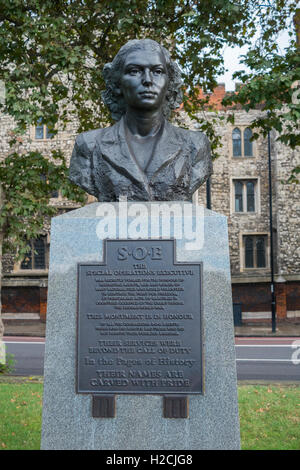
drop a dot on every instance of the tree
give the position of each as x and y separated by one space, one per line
273 83
27 181
52 52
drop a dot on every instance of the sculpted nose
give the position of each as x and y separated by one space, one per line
147 77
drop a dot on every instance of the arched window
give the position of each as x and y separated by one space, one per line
236 142
247 142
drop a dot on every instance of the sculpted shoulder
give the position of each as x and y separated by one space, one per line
85 142
200 155
197 138
81 166
80 171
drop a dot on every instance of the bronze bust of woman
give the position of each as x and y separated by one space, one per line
142 156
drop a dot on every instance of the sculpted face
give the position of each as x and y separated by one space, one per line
144 79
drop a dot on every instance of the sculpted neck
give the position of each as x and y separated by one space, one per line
143 124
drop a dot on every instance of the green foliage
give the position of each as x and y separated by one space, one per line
294 177
9 365
53 52
272 85
28 180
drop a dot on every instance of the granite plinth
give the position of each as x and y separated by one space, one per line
213 421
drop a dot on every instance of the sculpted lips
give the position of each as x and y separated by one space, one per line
148 94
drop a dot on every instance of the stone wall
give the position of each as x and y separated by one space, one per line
251 287
287 206
226 168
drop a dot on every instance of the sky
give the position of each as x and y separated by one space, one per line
232 63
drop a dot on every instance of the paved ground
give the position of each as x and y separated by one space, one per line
286 328
24 328
38 329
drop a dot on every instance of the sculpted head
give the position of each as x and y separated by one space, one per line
123 86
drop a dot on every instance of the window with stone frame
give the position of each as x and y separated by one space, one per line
245 195
242 145
37 256
42 131
54 194
255 251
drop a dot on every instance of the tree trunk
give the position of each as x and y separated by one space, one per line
297 26
1 241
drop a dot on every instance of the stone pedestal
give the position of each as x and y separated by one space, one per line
213 421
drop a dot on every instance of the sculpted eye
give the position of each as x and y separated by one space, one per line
134 71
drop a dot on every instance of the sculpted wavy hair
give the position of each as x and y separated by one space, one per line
112 72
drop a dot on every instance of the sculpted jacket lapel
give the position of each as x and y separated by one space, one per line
115 151
168 156
168 149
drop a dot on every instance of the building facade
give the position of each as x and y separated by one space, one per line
239 190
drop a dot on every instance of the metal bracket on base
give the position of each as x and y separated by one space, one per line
103 406
176 406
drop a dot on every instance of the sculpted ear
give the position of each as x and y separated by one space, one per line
107 75
107 72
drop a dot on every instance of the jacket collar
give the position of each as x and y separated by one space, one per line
115 151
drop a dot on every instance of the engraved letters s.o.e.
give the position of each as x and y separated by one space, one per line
139 253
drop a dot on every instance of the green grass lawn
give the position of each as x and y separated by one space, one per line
269 415
20 413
